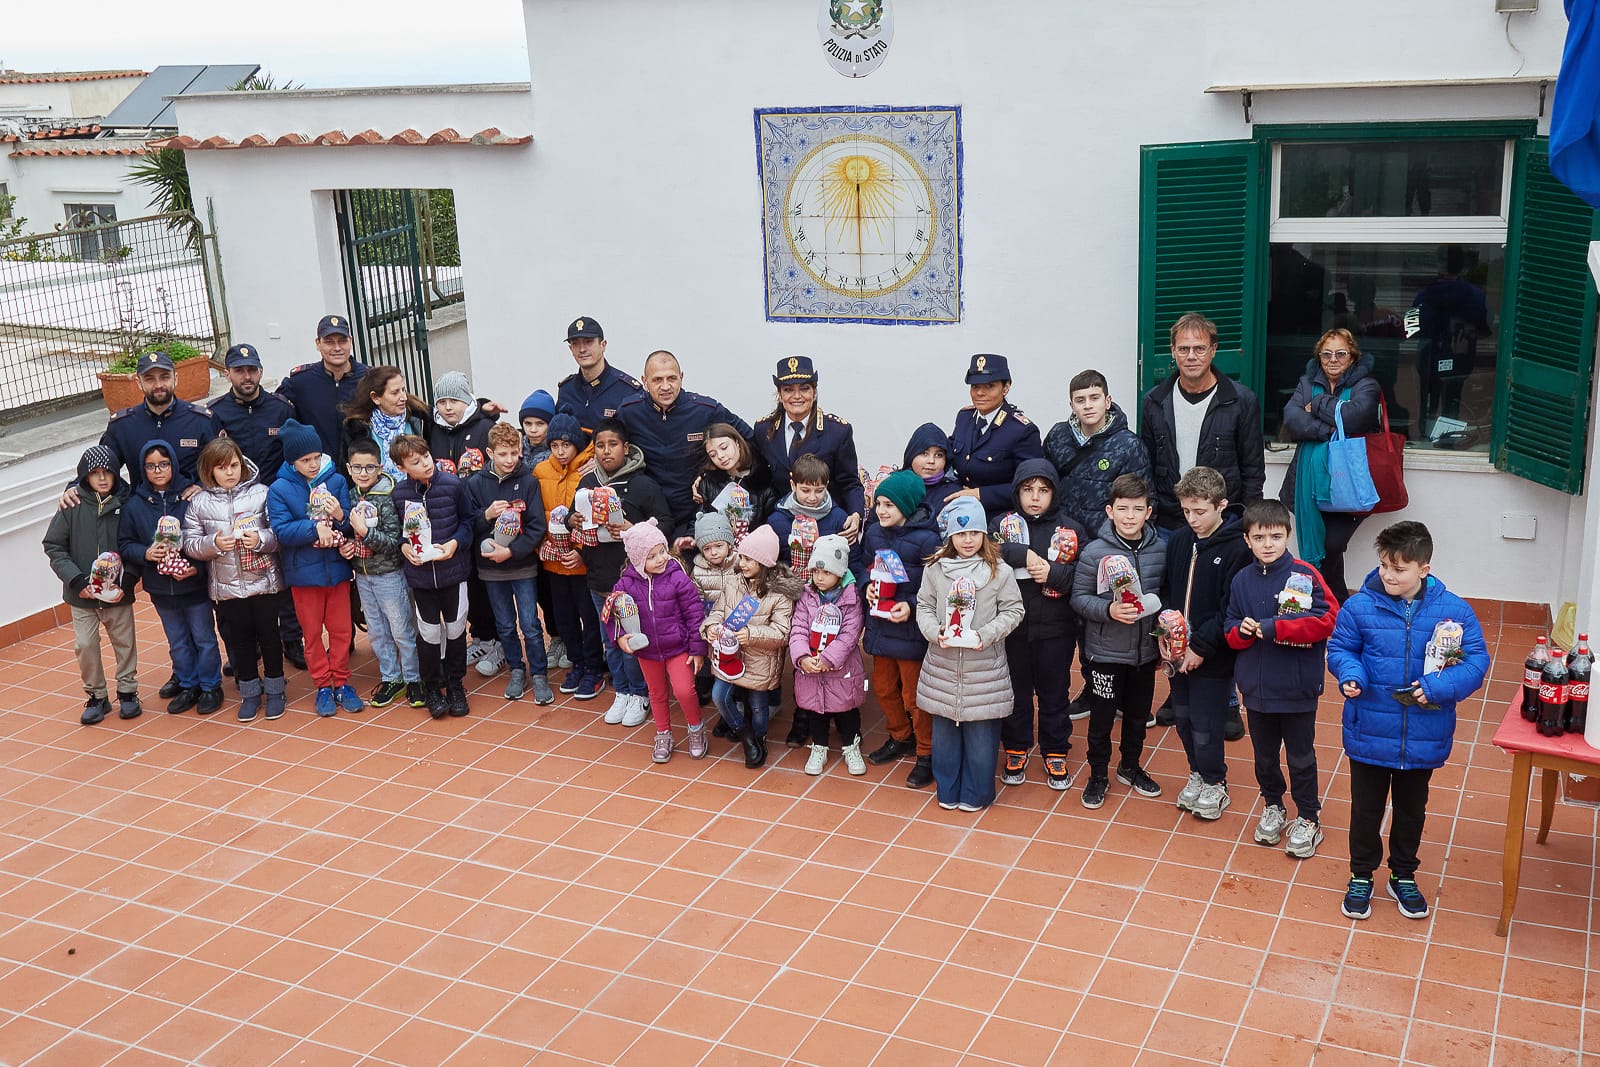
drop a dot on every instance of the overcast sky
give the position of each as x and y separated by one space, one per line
314 42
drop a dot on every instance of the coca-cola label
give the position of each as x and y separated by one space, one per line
1578 691
1531 676
1550 693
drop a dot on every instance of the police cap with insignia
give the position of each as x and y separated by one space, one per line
585 327
333 324
795 370
154 361
242 356
987 367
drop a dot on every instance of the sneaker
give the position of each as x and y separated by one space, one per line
1357 903
477 649
1056 775
325 702
1136 779
1213 801
592 684
947 807
347 698
699 744
1303 838
492 661
1413 905
128 706
573 680
853 761
1016 768
637 711
455 698
1077 710
517 684
891 750
94 710
921 775
1094 794
416 695
817 760
542 693
387 693
555 651
438 707
183 701
1166 714
662 751
1269 831
968 808
1190 791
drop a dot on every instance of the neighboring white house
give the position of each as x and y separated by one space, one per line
645 201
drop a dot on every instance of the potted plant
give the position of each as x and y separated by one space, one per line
119 385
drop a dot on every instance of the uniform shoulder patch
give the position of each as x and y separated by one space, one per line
631 380
969 407
567 379
304 366
1020 417
115 415
831 417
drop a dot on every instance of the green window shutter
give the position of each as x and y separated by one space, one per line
1546 355
1201 246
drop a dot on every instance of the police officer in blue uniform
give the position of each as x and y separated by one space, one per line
991 436
799 426
185 426
668 423
250 415
319 390
596 389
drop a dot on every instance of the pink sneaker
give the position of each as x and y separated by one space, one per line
663 747
698 745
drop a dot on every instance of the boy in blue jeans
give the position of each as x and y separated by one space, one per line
1405 651
374 554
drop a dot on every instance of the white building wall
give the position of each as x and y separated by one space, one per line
44 185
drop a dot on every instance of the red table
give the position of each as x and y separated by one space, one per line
1528 749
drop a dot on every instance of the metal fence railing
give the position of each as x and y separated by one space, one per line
73 301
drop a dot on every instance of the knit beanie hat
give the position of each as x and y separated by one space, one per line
962 514
639 539
761 545
905 491
298 440
712 526
831 553
564 427
101 458
538 405
453 385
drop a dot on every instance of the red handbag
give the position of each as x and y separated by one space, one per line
1386 463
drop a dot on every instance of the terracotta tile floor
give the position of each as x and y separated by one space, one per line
524 885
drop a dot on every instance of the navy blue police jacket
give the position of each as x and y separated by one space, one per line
185 426
986 462
319 401
830 439
600 400
673 443
254 425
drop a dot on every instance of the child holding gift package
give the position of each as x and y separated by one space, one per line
968 605
307 508
666 640
730 462
576 621
1040 542
807 513
895 546
81 542
712 568
824 644
385 600
746 631
1280 614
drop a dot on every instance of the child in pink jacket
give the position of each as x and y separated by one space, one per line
825 644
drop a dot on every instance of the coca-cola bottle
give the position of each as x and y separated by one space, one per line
1532 669
1553 695
1578 669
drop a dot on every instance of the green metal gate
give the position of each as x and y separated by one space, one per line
383 279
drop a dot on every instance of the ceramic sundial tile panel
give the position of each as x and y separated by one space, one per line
861 213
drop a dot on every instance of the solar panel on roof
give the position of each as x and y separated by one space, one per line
147 104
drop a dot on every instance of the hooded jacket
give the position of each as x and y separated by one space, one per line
1380 645
1361 414
521 490
1045 618
843 685
78 534
768 627
305 564
379 552
931 435
914 540
670 613
451 517
238 572
967 684
642 499
145 507
1230 442
1213 561
448 442
1282 670
1104 639
1088 465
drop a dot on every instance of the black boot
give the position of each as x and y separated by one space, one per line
1233 729
170 688
799 730
1166 714
754 754
892 750
723 730
922 774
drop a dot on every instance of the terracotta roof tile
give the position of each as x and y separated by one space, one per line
12 77
81 150
337 139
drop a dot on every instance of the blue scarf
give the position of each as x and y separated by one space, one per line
1313 490
385 428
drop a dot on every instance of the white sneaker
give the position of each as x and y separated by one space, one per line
1303 838
852 757
817 760
492 661
555 653
1269 831
619 707
1211 802
1190 791
477 649
636 712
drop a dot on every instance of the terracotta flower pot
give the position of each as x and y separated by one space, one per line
122 390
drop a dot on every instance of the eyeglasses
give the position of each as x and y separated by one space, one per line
158 465
1336 353
365 468
1191 350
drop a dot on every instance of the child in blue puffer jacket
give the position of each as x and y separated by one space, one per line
1405 651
